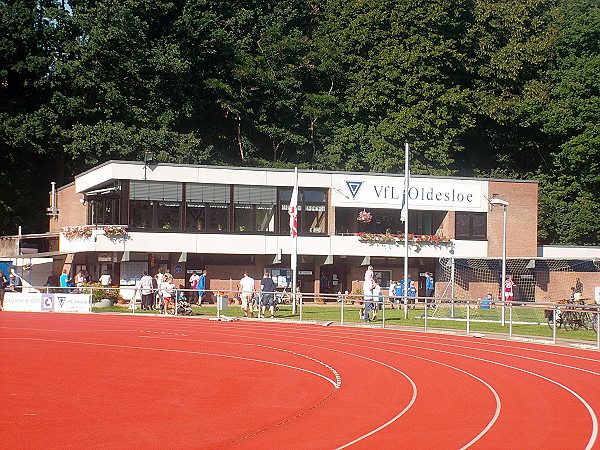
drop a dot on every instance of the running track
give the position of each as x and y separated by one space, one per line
117 381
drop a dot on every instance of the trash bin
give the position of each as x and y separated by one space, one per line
222 302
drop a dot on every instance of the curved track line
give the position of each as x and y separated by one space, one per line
470 443
594 434
135 347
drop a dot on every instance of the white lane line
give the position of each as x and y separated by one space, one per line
489 425
134 347
592 413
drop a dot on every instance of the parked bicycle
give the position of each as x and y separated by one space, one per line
570 318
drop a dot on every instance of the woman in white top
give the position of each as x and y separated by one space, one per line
167 288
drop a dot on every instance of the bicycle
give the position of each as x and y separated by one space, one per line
571 319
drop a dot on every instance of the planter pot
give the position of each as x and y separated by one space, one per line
103 303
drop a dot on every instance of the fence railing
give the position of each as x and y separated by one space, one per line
548 321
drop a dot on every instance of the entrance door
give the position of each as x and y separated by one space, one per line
333 279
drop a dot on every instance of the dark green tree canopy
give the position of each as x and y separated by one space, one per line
497 88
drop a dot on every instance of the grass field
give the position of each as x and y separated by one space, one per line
526 321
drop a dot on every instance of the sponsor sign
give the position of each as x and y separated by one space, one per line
37 301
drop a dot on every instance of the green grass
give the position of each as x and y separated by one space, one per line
526 321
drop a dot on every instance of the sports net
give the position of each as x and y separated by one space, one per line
541 280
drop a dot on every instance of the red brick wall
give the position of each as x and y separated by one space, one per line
521 219
71 211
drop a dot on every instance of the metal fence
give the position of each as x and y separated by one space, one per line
548 322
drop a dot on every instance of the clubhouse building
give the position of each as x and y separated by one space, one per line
125 217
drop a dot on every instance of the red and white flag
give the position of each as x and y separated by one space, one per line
293 211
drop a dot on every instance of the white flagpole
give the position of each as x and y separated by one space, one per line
406 186
294 235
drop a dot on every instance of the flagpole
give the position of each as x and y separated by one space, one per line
294 255
406 183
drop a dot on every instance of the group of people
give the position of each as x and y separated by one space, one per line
266 298
157 292
12 283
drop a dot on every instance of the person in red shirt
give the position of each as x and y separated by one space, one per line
509 286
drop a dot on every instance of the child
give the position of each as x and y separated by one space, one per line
486 302
411 292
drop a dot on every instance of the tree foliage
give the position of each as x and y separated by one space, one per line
497 88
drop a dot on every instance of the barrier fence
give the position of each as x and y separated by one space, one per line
550 321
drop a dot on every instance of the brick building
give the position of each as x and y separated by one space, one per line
126 217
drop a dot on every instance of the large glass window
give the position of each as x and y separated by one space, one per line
469 225
105 210
254 208
312 211
207 207
155 205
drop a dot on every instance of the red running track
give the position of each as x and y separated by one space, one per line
116 381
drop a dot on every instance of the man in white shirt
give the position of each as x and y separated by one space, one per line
247 289
105 279
146 289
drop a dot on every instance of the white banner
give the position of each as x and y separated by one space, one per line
424 193
37 301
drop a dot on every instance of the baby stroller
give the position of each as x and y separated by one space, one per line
184 308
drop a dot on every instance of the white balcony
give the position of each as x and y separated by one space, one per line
224 243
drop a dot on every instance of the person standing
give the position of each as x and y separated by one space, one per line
194 286
167 288
147 291
509 287
267 290
429 286
246 291
377 302
392 293
158 280
3 285
578 289
64 281
369 284
15 283
201 287
411 292
105 279
51 282
79 279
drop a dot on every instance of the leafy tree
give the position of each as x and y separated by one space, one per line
569 205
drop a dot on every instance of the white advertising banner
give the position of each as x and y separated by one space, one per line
36 302
424 193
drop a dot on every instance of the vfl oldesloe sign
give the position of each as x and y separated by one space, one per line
423 193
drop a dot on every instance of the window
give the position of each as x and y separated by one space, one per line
254 208
312 211
207 207
383 277
155 205
105 210
470 225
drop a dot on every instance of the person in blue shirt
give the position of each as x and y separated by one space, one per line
201 286
411 293
400 290
64 280
486 302
429 286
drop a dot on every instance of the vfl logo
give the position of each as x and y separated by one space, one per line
61 300
354 187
